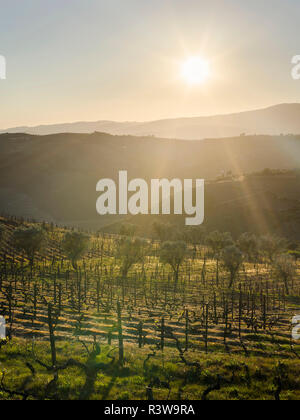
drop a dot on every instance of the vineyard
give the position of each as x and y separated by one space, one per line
125 322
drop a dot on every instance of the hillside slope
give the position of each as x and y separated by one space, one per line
54 177
262 204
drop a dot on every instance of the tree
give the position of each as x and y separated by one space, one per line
29 240
75 245
285 270
248 244
295 254
131 251
232 259
165 231
218 241
173 254
294 250
194 235
128 230
272 246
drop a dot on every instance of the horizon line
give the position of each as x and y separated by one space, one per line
3 130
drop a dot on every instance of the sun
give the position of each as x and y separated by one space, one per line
195 70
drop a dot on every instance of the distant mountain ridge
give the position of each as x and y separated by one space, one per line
275 120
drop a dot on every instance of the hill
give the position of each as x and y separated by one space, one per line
262 204
54 177
275 120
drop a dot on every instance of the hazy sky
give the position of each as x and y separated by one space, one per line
70 60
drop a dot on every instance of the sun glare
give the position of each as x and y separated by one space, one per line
195 70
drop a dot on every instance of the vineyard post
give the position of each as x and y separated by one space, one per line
120 332
186 330
140 332
52 335
162 337
206 328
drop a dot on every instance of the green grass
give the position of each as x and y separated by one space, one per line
241 378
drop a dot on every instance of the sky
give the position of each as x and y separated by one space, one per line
121 60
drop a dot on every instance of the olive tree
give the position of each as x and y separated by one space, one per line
75 245
248 244
30 240
218 241
271 247
128 230
232 259
165 231
285 270
173 254
194 235
131 251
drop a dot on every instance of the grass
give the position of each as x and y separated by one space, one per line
241 378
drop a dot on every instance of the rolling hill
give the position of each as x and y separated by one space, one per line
54 177
276 120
